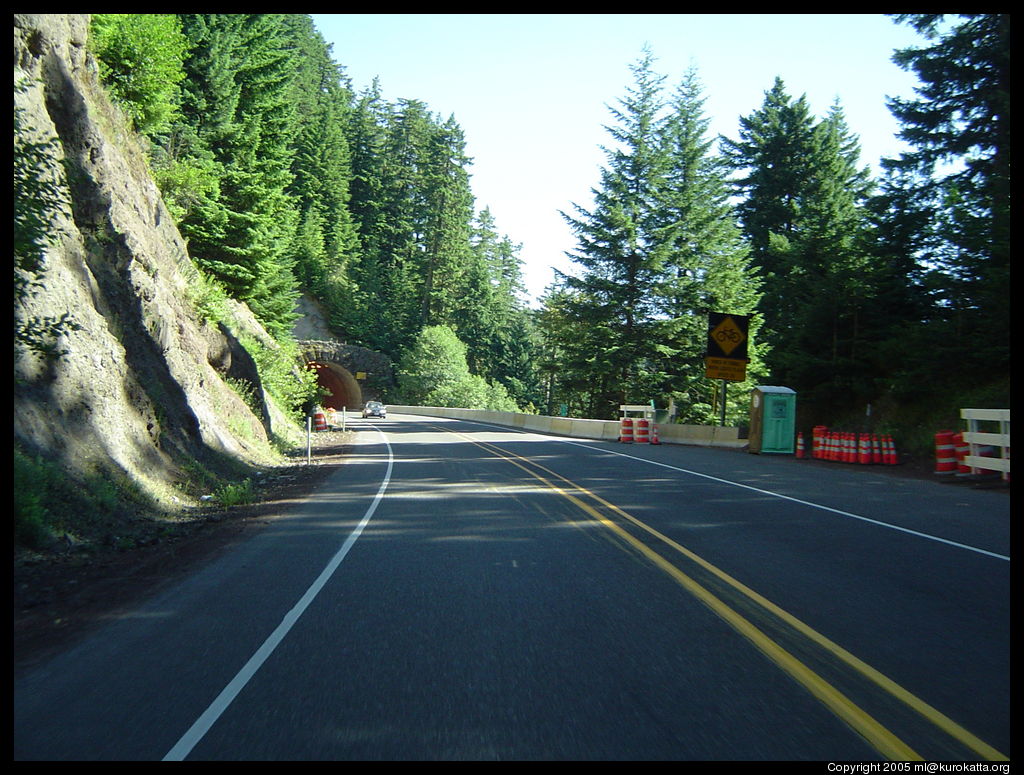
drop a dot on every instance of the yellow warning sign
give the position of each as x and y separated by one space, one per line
728 335
725 368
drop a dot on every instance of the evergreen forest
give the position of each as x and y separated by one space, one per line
888 291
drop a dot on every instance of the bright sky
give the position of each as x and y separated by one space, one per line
531 90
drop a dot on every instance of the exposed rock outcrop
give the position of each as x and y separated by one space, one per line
141 388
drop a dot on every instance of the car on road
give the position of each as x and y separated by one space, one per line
375 409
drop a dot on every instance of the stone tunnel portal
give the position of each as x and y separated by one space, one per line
345 390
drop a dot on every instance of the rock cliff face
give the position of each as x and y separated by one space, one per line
142 388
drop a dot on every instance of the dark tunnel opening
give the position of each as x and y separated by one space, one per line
345 391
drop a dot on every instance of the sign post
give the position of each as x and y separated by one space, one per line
726 357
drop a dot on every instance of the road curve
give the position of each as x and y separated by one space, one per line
463 592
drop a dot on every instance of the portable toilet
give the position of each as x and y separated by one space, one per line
773 420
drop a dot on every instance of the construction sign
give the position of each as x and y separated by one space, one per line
727 346
725 368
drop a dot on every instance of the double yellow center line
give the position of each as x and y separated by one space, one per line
883 740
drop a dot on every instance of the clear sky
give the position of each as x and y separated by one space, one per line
531 91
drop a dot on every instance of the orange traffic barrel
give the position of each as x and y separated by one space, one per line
889 456
945 453
643 431
319 421
849 448
818 448
876 450
963 449
626 430
864 449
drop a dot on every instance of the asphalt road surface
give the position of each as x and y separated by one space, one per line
458 591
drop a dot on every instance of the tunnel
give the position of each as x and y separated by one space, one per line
345 391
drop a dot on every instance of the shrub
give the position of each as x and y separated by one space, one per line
293 387
434 372
32 482
140 59
236 494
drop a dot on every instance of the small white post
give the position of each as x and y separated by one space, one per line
309 441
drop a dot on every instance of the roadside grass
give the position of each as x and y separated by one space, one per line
236 494
49 505
53 508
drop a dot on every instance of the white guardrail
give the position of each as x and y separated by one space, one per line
669 433
976 438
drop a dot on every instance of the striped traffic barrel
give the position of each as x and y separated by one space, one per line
626 430
643 431
945 453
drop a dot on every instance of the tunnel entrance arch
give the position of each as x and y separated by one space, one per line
353 374
345 392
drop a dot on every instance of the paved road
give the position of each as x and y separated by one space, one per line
458 591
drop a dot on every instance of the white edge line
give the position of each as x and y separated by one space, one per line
754 489
809 503
209 717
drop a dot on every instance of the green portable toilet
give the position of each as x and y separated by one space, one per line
773 420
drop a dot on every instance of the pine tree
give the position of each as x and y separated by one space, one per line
448 211
236 104
831 283
366 135
479 318
576 362
959 132
901 242
621 247
710 266
326 242
659 251
490 317
401 262
804 214
772 156
413 206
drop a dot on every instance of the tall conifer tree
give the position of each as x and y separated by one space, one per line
448 206
489 316
659 251
326 242
709 270
236 104
803 212
621 247
958 128
773 157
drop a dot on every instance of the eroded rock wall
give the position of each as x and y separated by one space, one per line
141 387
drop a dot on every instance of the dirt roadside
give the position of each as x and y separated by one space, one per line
61 597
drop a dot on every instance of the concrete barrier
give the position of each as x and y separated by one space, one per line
607 430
